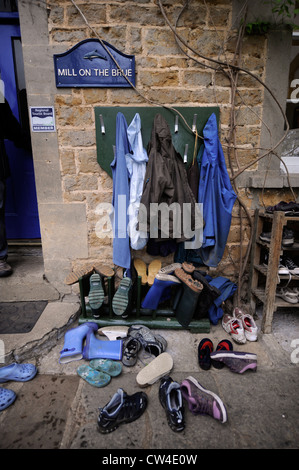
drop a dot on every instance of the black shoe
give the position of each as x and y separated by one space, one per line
205 348
121 409
5 268
170 397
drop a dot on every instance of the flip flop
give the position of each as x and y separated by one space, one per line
153 269
96 293
140 267
17 372
7 397
111 368
93 377
156 369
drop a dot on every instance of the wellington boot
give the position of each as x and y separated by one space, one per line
101 349
73 342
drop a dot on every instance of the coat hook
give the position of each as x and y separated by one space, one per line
186 153
194 123
102 124
176 125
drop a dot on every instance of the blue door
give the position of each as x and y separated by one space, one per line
22 221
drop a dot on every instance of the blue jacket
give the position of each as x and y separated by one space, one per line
121 195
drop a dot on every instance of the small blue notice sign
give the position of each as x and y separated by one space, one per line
92 63
42 119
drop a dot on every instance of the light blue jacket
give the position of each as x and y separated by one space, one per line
136 165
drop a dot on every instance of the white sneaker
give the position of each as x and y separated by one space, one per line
234 327
249 325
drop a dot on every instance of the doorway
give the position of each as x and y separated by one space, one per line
22 220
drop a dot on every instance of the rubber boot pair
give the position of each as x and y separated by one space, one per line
94 348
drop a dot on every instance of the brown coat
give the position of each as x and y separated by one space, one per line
165 182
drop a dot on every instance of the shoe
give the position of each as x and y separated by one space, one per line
157 368
112 368
282 270
234 327
170 268
17 372
5 268
265 237
237 361
131 348
289 208
289 263
170 397
249 325
191 290
96 294
153 344
7 397
202 401
101 349
153 269
188 267
121 409
93 377
73 342
121 302
101 269
287 294
140 267
157 290
224 345
205 348
288 237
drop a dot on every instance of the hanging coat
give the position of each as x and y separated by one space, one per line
136 165
216 194
121 195
227 289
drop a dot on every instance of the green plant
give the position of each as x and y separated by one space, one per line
284 12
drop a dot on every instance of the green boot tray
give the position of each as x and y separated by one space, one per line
163 317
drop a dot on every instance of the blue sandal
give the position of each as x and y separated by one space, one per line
7 397
17 372
93 377
106 365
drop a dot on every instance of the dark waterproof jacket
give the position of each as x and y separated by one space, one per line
9 129
166 182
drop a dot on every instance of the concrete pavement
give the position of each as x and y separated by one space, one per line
59 410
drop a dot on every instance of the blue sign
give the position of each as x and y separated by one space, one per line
89 64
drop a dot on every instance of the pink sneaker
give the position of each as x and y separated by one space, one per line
202 401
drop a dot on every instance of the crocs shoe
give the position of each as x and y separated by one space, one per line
205 348
201 401
108 366
224 345
237 361
17 372
121 409
170 397
96 294
7 397
249 325
93 377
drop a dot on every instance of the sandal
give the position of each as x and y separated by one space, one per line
7 397
17 372
108 366
156 369
93 377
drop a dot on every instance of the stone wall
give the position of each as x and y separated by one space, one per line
165 75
